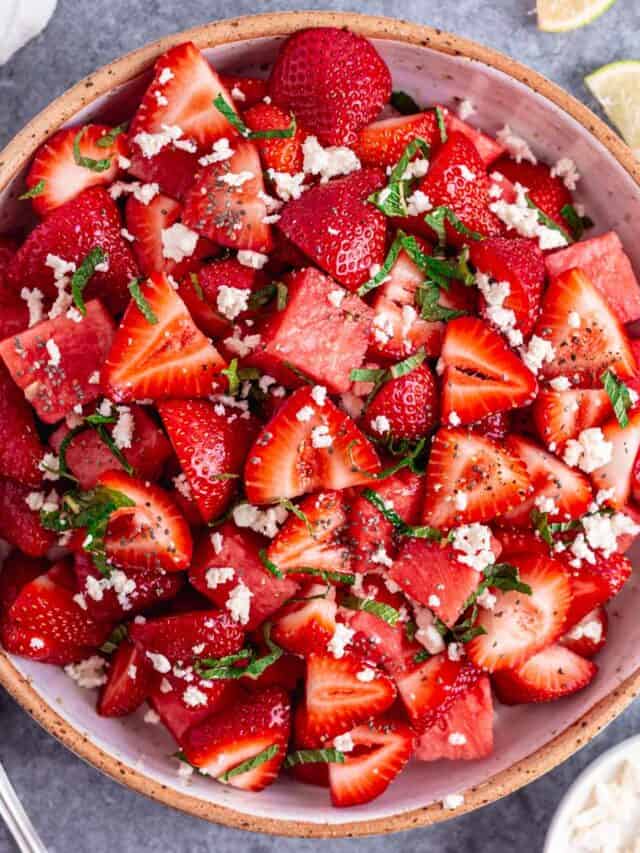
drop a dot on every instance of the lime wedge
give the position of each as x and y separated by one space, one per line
617 88
556 16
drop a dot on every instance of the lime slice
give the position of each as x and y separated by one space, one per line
556 16
617 88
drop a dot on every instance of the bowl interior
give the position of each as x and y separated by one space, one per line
613 200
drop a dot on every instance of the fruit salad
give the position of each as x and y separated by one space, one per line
319 420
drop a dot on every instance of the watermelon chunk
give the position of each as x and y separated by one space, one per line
605 262
178 718
55 362
488 148
315 335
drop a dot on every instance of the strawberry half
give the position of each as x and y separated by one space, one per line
492 480
561 415
226 740
593 585
150 535
226 202
333 80
585 334
295 455
618 473
168 358
465 732
383 142
548 193
307 625
175 636
337 700
129 684
588 636
381 750
245 91
335 226
19 525
520 263
408 406
521 625
281 155
20 447
315 540
481 375
551 674
64 178
211 442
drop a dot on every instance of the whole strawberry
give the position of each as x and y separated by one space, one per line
406 407
333 80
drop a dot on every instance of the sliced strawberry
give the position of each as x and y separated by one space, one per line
335 226
465 732
47 624
593 585
20 447
586 336
211 442
481 374
521 625
589 635
293 456
370 531
150 588
408 406
430 689
226 202
520 263
150 535
561 415
336 699
495 426
64 177
520 542
333 80
381 750
323 332
398 332
168 358
174 637
281 155
88 457
315 540
238 550
129 684
181 95
618 473
383 142
19 525
245 91
550 674
433 576
89 220
167 700
488 148
546 192
307 625
17 572
606 264
380 643
228 739
146 223
287 672
492 480
568 489
55 362
457 179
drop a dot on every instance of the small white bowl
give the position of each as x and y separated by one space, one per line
576 798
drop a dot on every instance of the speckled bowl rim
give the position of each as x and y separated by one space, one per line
13 159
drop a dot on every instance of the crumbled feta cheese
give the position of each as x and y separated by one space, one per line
341 638
127 235
165 75
602 531
50 467
457 739
53 352
590 628
581 551
241 346
239 603
525 220
417 168
473 544
61 268
94 379
232 301
151 718
123 162
178 242
427 634
36 643
486 599
264 521
336 297
454 419
517 147
193 697
132 672
344 743
287 186
236 179
320 437
461 501
217 542
319 395
417 203
88 673
237 94
560 383
151 144
216 577
328 162
35 501
220 151
254 260
573 319
495 293
380 424
159 662
537 353
380 557
589 451
123 428
33 298
465 109
182 486
546 504
366 674
304 414
434 601
566 169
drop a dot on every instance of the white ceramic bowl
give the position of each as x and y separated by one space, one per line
603 769
433 67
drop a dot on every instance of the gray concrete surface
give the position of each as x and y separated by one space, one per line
74 807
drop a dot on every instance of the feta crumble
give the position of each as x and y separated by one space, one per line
589 451
239 603
344 743
88 673
217 577
178 242
566 169
320 437
524 219
328 162
340 640
517 147
473 544
254 260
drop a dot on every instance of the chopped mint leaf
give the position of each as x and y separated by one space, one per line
283 295
34 192
422 531
540 521
268 564
212 669
262 296
404 103
234 119
327 576
314 756
195 283
402 368
81 277
88 162
141 302
577 224
295 509
385 269
547 221
107 139
392 199
428 300
442 126
369 605
368 374
251 763
416 145
118 634
436 219
231 372
619 395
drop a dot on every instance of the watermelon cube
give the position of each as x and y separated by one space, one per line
57 362
323 331
605 262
